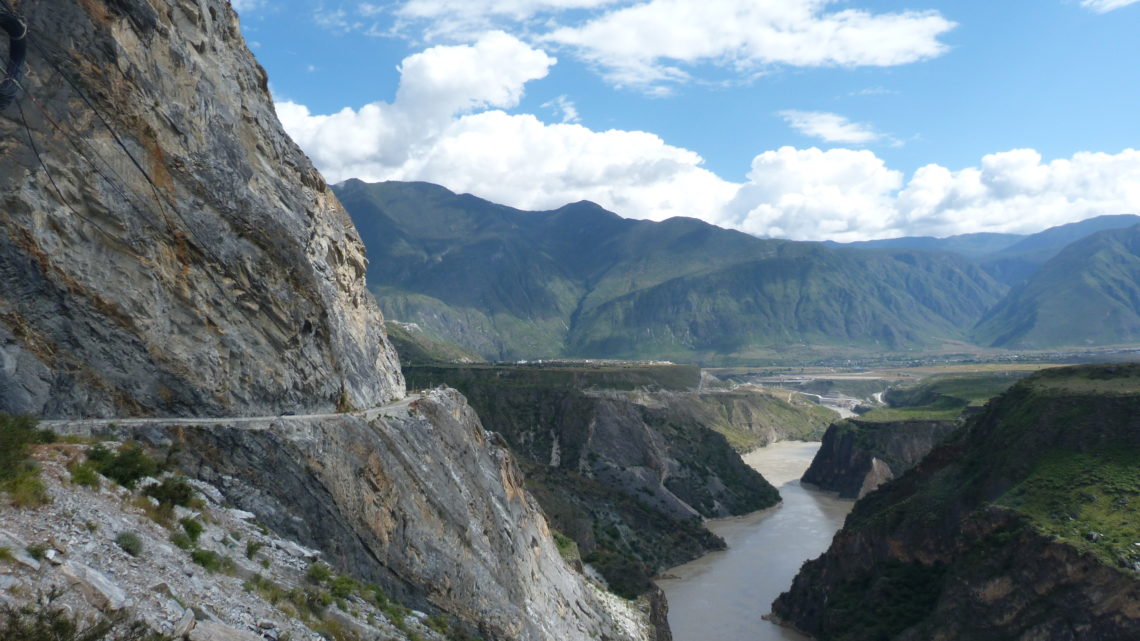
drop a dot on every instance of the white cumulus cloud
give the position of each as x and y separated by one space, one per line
653 42
842 194
649 44
1104 6
829 127
447 126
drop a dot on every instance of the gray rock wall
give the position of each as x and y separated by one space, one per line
858 456
423 501
219 276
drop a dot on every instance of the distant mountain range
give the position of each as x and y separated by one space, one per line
1008 258
1088 294
580 281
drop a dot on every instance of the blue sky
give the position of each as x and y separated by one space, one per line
805 119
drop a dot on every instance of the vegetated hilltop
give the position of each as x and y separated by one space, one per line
1023 525
1088 294
622 457
168 251
859 455
581 281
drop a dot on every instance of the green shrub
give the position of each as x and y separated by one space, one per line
343 586
6 554
252 548
126 466
181 540
310 599
37 551
130 542
319 573
84 474
193 528
212 561
173 490
16 434
19 476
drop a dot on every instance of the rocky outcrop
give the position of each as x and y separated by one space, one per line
858 456
1020 526
749 416
422 501
108 555
166 248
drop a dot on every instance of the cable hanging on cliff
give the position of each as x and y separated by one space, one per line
17 31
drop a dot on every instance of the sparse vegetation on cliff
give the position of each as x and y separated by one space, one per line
19 474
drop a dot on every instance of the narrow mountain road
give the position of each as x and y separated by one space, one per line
87 425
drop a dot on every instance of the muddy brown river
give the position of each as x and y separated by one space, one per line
721 596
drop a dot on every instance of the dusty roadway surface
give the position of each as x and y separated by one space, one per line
86 426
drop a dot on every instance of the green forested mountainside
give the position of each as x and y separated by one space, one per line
1088 294
417 348
804 293
581 281
1021 525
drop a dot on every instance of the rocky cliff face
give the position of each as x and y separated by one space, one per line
627 474
175 253
168 251
420 500
1020 526
859 456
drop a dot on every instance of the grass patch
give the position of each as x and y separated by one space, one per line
212 561
319 573
566 546
161 513
84 474
193 529
181 540
1088 500
27 490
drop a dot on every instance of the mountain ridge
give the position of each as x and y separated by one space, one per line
580 281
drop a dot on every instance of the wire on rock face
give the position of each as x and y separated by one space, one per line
17 31
185 241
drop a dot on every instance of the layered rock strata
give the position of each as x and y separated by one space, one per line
166 248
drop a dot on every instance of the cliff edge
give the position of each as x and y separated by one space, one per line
1022 525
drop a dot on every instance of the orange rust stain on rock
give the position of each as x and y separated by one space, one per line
97 10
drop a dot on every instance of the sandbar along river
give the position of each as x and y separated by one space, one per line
721 596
